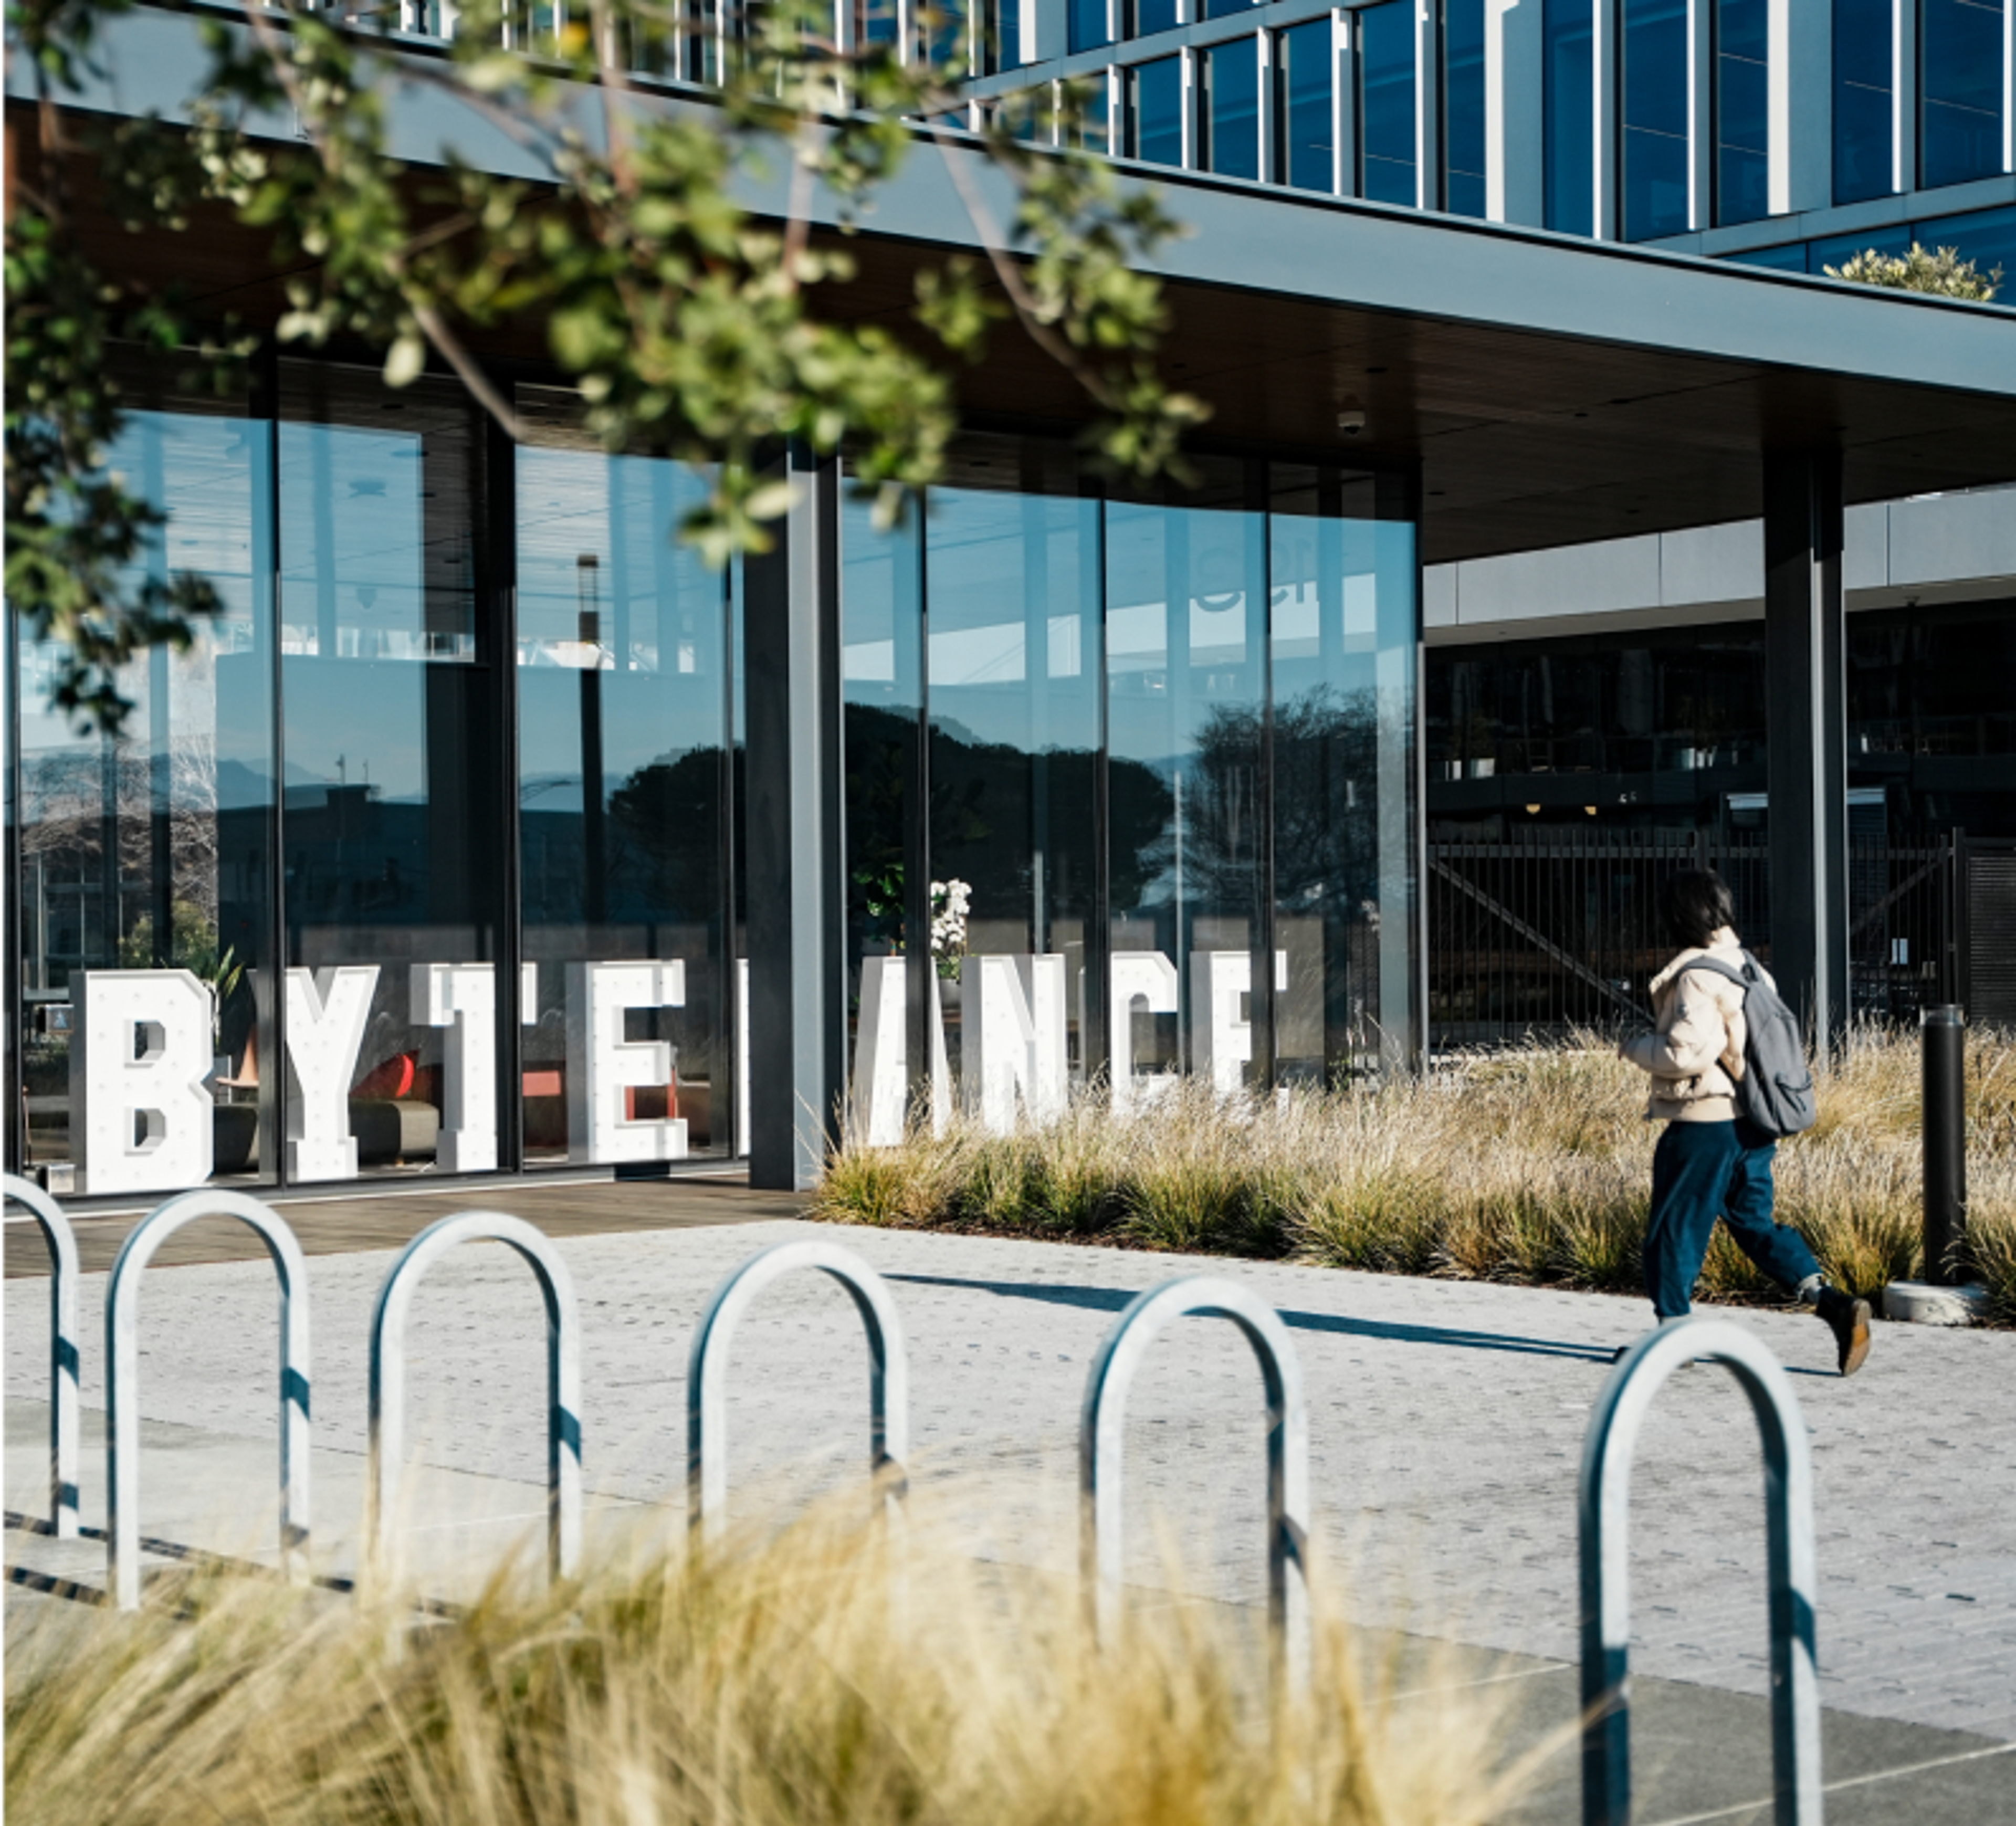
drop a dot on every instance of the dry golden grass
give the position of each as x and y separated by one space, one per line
827 1676
1533 1164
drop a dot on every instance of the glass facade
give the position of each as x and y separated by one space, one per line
1229 108
1569 108
1168 742
144 865
1087 25
1155 111
1865 78
1963 61
1386 102
1145 18
623 689
1463 108
1742 110
1305 106
424 858
1653 98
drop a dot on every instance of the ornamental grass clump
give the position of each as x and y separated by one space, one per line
1531 1164
827 1674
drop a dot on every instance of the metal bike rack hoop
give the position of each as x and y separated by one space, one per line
65 1360
122 1380
388 1380
707 1375
1604 1512
1102 1443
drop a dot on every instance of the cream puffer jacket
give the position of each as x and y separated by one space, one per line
1695 1054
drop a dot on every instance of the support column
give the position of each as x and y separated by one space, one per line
797 981
1805 692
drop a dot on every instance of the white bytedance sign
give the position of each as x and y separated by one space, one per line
142 1112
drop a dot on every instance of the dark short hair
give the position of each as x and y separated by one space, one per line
1695 904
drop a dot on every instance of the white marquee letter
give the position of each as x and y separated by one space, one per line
326 1011
1223 1037
139 1059
463 998
602 1064
1015 1038
1147 978
881 1086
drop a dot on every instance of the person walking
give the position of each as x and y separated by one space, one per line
1710 1162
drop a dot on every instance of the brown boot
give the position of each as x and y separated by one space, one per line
1847 1319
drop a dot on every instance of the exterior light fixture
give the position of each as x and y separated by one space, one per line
1351 420
1534 810
1590 810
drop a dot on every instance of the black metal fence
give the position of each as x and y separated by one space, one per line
1539 934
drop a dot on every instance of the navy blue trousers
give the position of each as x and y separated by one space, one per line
1700 1172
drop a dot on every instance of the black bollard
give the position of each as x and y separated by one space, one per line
1945 1057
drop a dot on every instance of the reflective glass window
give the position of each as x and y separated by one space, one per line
882 687
1230 108
1838 250
1340 555
1007 41
876 22
1987 237
1012 682
1787 259
1305 113
145 859
1463 106
1569 102
623 687
395 817
1146 17
1186 629
1962 60
1155 111
1225 8
1864 82
1386 102
1742 110
1654 95
1087 25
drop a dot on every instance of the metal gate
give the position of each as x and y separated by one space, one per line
1534 935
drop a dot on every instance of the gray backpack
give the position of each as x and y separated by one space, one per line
1775 1092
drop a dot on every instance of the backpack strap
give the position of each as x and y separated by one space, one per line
1722 969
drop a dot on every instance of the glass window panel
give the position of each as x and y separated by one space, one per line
1864 80
1003 48
1386 102
1570 106
152 851
1186 622
1306 70
1838 250
1012 668
394 819
1087 26
882 686
1742 110
1225 8
876 22
1342 592
1961 59
1463 105
1987 237
1655 103
1155 111
1230 74
624 756
1146 17
1787 259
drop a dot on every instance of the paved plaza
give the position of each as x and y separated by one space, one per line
1446 1425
